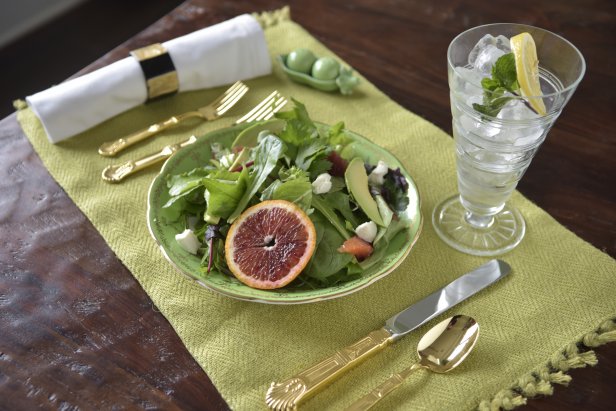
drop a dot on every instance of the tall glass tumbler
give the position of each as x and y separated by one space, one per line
494 150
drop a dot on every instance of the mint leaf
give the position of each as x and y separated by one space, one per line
504 72
493 108
489 84
504 79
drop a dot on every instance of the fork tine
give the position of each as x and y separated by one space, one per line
263 110
258 107
226 93
232 99
277 106
269 111
240 88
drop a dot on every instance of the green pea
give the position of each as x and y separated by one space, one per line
325 68
301 60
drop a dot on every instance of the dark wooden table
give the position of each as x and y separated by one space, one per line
78 332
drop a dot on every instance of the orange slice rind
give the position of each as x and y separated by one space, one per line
270 244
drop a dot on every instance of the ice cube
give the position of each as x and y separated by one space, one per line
501 42
524 133
482 129
517 110
486 59
468 81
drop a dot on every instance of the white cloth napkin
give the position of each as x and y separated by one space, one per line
214 56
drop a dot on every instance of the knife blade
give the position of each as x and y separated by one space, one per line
453 293
288 394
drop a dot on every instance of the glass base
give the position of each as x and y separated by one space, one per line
500 235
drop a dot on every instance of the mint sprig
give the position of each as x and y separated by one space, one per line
504 79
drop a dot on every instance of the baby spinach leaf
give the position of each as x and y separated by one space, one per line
319 166
326 259
339 201
328 212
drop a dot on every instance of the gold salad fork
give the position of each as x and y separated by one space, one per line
262 111
209 112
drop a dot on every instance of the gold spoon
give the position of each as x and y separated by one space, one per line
441 349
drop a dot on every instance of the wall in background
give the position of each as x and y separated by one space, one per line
19 17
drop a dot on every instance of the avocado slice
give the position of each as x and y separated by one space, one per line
248 136
357 182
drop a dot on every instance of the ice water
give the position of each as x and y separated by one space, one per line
493 153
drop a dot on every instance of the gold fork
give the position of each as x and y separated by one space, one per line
262 111
209 112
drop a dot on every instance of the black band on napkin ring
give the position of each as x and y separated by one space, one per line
158 69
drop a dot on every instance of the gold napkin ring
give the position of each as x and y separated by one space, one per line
158 69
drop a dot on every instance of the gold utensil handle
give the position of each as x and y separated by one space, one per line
111 148
369 400
288 394
116 173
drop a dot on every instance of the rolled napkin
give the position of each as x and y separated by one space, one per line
214 56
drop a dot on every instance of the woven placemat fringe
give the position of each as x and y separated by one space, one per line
273 17
19 104
540 382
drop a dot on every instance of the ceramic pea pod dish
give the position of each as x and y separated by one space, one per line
324 73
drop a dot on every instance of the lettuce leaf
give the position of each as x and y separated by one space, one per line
267 154
224 191
294 187
299 126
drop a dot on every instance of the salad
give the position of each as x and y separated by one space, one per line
354 208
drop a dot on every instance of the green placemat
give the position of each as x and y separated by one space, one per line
560 291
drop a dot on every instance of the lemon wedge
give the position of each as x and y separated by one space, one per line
527 67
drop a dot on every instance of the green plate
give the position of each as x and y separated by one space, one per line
198 154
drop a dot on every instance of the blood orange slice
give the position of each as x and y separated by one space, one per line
269 244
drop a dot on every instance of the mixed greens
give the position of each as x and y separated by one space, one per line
311 165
